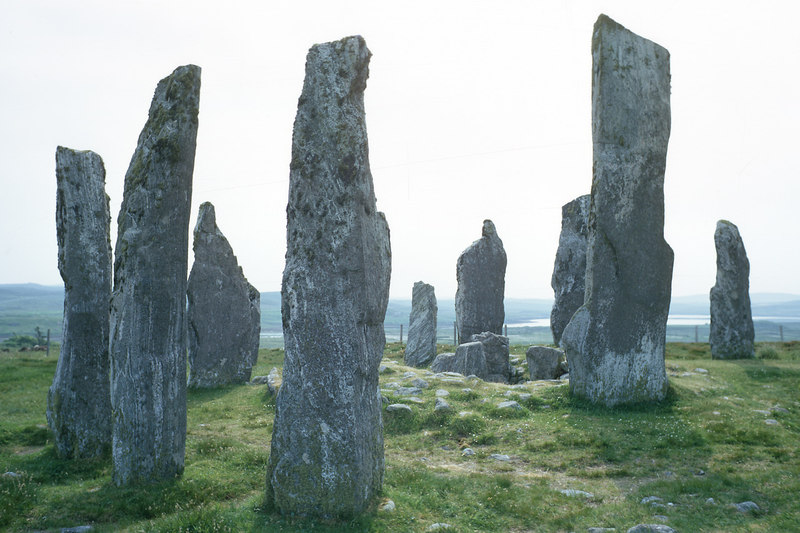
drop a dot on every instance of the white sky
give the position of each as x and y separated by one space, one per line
474 110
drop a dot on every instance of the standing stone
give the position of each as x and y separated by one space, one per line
148 305
327 444
569 271
421 346
732 333
78 403
481 275
615 341
495 350
224 310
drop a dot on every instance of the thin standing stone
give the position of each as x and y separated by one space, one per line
569 272
421 347
731 335
481 275
224 310
79 402
326 458
148 305
615 342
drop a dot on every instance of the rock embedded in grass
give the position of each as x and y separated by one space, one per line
79 399
327 453
224 310
480 272
148 304
615 341
442 405
573 493
398 408
651 528
731 333
511 404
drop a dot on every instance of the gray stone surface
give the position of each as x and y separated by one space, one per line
421 346
148 304
79 401
615 342
569 272
224 310
481 275
651 528
544 362
495 351
327 444
731 335
471 360
444 362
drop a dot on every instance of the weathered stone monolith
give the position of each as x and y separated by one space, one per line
481 275
327 444
224 310
79 402
615 341
148 305
421 346
569 271
732 333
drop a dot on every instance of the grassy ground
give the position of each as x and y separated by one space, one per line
730 434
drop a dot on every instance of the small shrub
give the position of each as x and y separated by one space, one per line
768 352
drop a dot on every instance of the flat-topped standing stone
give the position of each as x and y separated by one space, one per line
615 341
327 444
481 275
421 346
569 271
79 402
732 333
148 305
224 310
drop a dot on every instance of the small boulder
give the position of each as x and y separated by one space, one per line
544 362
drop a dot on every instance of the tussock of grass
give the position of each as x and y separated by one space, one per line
709 439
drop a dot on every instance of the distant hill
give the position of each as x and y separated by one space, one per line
26 306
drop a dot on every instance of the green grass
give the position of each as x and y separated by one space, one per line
707 440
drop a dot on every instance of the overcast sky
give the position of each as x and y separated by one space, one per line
474 110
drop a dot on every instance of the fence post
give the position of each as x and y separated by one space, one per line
697 334
780 328
505 330
455 333
401 334
48 343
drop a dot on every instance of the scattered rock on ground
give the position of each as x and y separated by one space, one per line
398 408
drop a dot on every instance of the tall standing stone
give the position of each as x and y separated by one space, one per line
148 305
481 275
615 341
78 403
327 445
569 272
732 333
224 310
421 346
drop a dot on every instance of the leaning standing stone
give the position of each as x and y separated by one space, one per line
78 403
421 346
224 310
615 341
732 333
481 275
327 444
495 350
148 306
569 272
